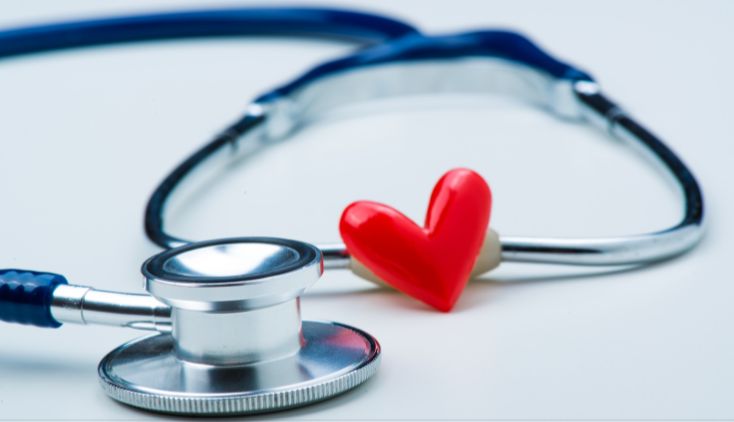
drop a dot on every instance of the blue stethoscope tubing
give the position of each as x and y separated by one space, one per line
336 24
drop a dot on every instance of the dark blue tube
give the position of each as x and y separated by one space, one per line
25 297
294 22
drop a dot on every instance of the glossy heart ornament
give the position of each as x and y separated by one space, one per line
431 263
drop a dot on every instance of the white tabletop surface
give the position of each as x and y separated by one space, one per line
86 135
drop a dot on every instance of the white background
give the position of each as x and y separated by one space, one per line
86 135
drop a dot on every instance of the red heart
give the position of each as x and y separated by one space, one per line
431 263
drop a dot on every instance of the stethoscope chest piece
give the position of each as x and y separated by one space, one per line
238 344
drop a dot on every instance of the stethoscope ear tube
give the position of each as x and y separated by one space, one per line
570 93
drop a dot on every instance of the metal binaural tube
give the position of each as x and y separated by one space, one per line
622 250
637 249
84 305
586 98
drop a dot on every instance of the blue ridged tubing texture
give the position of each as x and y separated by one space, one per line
25 297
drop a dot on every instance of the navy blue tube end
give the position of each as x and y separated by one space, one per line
25 297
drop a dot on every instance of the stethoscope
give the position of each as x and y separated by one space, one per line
230 339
